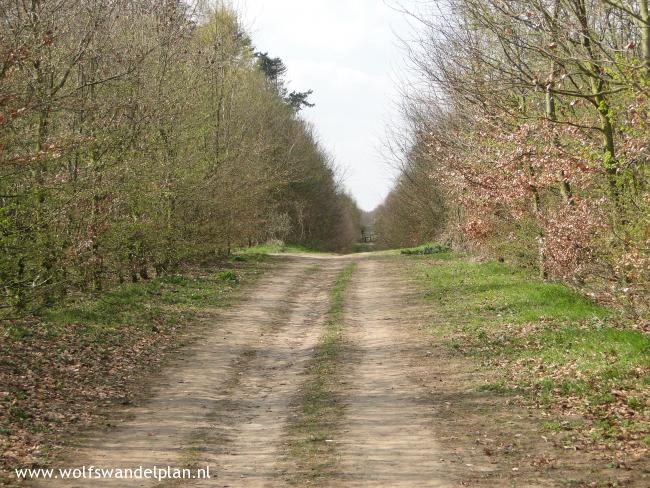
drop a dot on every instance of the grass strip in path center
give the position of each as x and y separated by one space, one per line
318 410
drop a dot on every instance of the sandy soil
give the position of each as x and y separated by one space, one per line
412 415
227 393
386 439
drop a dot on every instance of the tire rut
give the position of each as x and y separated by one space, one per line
386 439
244 443
164 429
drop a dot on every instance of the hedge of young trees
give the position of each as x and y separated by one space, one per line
530 138
138 134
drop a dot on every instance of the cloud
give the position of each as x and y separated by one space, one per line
346 51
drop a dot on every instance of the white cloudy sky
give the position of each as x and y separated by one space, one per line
349 53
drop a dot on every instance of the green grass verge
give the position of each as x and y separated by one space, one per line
320 412
545 340
273 248
428 248
147 305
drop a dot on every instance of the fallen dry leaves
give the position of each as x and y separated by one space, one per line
52 385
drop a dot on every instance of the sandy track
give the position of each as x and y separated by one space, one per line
412 415
244 444
187 403
385 438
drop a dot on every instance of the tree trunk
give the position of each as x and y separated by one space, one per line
598 86
551 113
645 35
537 207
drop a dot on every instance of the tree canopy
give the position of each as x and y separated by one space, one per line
528 138
135 136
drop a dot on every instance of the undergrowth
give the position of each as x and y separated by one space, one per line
546 342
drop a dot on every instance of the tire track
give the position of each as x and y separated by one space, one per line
162 431
386 439
244 441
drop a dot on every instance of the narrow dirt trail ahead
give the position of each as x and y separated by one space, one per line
387 440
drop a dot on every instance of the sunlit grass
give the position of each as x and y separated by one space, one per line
555 342
146 305
496 290
274 248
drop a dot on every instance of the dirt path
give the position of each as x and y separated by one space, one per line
411 415
221 403
386 439
244 443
